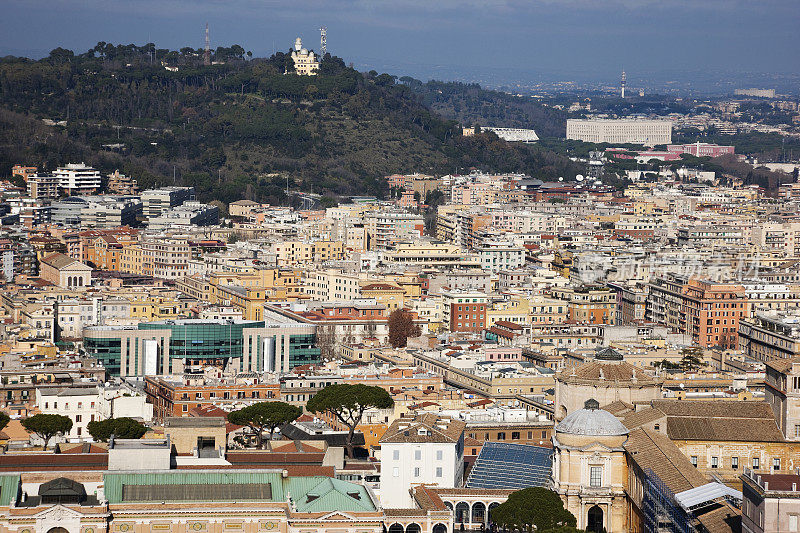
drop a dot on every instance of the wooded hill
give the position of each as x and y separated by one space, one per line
239 128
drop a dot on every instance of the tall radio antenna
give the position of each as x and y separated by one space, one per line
323 41
207 52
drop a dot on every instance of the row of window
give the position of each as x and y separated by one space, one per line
66 405
755 463
417 455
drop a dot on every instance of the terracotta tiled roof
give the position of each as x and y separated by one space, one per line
716 420
782 365
618 407
439 429
636 419
621 372
653 451
721 518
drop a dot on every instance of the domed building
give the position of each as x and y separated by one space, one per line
589 467
607 378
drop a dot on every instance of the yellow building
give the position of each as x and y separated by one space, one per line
389 294
298 252
530 311
305 61
589 468
721 438
151 307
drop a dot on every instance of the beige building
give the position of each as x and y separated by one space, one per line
305 61
589 468
721 438
193 434
607 379
64 271
242 208
782 393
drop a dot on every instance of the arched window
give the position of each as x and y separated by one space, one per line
413 528
594 519
440 528
396 528
448 505
491 506
462 512
478 512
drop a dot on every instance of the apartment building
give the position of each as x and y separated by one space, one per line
385 229
591 305
770 336
624 131
712 312
78 178
464 310
423 449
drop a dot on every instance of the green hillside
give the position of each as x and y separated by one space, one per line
238 128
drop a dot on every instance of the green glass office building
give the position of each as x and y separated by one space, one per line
172 346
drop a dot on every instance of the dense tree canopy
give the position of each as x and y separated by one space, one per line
535 508
347 404
265 416
122 428
47 426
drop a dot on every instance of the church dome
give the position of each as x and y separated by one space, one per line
591 421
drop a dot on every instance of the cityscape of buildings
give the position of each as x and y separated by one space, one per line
630 343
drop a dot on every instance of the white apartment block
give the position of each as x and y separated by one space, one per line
80 405
501 257
623 131
332 285
78 178
426 449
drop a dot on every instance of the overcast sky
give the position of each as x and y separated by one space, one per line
568 36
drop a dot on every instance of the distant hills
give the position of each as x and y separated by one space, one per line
239 128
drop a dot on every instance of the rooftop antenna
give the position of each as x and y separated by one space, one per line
622 84
207 52
323 41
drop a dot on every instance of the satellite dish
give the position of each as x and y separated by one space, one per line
560 179
579 177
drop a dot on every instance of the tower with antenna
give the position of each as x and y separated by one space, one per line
323 41
622 85
207 51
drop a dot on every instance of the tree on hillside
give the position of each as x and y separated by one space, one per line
265 416
47 426
401 327
122 428
533 508
4 420
347 404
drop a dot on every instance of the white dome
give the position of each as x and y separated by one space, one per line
591 420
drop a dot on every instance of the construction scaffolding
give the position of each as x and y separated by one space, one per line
662 514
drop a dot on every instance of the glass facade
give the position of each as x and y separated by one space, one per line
199 342
203 340
302 350
107 351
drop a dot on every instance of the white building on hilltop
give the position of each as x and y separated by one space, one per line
632 131
305 61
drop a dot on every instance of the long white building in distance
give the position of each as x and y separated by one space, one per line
622 131
514 134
